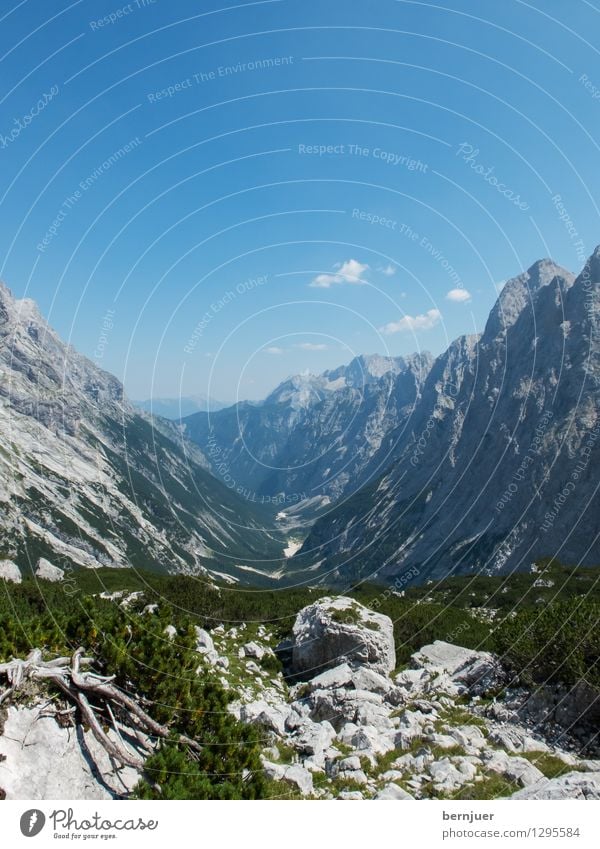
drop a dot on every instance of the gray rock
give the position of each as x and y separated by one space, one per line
350 763
514 739
445 775
273 771
339 630
522 771
442 741
372 742
253 649
413 681
314 738
339 676
10 572
204 641
340 706
513 768
355 775
350 795
414 764
365 678
466 766
272 717
410 727
47 571
392 775
347 732
376 715
41 760
468 736
300 778
479 672
392 791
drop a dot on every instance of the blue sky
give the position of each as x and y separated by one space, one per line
207 198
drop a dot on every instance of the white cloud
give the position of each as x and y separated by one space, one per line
389 270
350 271
459 296
312 346
273 349
413 322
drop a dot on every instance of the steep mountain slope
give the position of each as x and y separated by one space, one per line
498 466
87 480
315 435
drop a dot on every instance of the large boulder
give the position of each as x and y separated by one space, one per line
339 630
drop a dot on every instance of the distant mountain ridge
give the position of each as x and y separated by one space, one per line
314 434
178 408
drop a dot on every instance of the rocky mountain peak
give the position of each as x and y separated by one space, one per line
519 292
591 270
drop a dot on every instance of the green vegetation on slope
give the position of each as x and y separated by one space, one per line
556 640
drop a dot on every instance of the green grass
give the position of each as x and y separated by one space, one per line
493 786
347 616
549 764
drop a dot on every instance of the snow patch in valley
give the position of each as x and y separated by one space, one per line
293 545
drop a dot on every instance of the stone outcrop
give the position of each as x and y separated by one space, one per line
344 722
348 731
10 572
574 785
40 759
48 571
339 630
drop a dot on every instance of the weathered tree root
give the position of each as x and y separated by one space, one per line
65 673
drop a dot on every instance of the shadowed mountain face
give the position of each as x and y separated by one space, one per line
498 465
315 435
85 479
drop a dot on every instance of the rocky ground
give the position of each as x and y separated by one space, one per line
340 722
357 731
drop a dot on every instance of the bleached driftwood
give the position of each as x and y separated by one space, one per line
66 674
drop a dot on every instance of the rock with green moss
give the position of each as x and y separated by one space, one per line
339 630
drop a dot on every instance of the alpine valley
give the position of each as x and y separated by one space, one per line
482 460
389 469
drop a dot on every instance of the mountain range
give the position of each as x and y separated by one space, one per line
482 460
314 435
499 466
